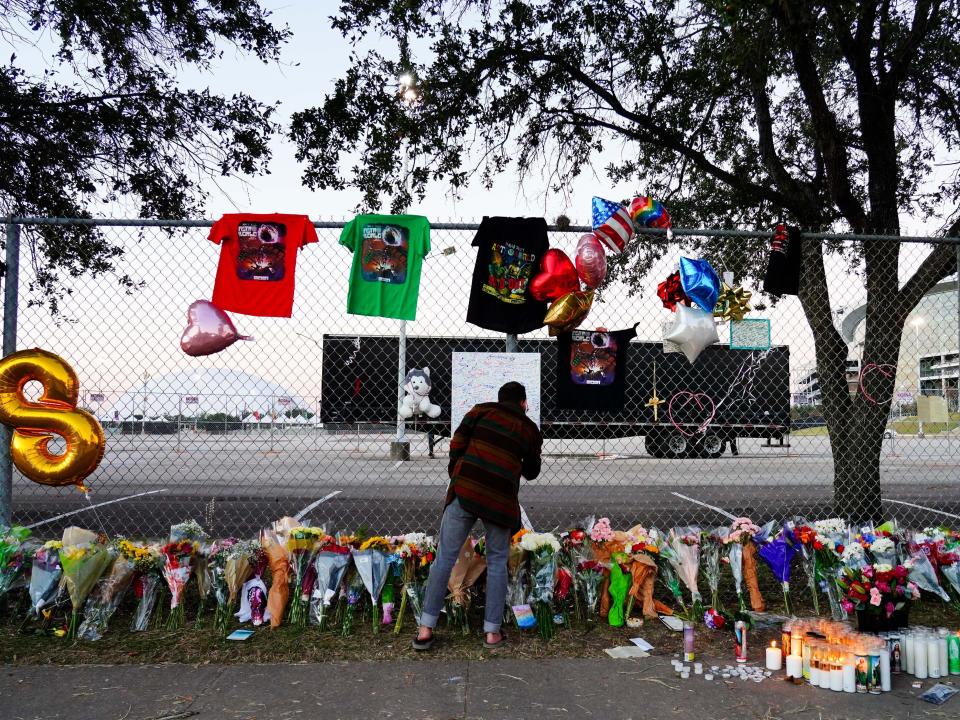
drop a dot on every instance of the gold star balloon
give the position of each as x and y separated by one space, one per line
733 303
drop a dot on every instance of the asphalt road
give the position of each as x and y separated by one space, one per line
238 482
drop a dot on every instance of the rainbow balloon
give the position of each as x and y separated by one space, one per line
647 212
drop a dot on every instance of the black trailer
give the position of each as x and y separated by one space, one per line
726 394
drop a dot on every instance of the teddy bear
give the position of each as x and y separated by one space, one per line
416 401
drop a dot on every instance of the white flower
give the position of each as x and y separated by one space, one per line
532 542
882 545
832 526
826 541
853 551
882 567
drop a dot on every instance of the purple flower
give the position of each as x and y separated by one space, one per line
847 606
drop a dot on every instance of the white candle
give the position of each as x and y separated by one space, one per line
933 656
944 656
794 666
698 668
814 675
824 676
849 678
920 657
836 679
774 657
884 669
907 646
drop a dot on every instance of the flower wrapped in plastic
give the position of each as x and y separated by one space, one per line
274 542
217 568
590 577
805 536
254 606
146 586
574 549
666 561
742 556
619 586
854 556
468 568
923 574
303 542
83 561
330 566
45 575
712 550
177 565
188 530
883 549
372 563
108 592
354 597
685 558
204 575
542 549
12 557
778 551
416 552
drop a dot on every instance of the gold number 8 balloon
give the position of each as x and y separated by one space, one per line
55 412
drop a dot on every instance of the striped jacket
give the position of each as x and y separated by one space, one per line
495 444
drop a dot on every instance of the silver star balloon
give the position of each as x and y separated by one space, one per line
693 330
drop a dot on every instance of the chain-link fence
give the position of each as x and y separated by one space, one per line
264 428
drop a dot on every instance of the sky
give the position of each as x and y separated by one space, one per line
118 340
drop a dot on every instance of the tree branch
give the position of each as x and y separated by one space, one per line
939 264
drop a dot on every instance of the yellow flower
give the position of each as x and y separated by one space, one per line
376 543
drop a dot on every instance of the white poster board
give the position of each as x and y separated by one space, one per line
478 376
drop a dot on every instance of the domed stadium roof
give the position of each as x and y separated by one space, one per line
191 393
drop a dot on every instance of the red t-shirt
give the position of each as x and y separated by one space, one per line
258 259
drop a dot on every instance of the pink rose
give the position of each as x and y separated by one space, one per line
847 606
875 597
868 571
914 590
883 587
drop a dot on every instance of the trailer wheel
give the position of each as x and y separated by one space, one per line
712 445
677 445
654 445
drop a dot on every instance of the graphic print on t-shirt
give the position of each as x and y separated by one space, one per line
384 254
510 271
593 358
262 251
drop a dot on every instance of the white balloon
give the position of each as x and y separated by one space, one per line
693 330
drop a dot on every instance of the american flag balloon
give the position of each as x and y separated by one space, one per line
611 224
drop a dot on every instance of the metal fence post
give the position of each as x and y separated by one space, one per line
11 293
512 343
400 448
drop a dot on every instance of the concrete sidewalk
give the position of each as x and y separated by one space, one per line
598 688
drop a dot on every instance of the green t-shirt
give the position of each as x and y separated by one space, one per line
388 251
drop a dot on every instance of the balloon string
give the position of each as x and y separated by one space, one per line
96 514
888 371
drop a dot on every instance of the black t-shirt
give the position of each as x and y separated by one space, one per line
592 368
508 256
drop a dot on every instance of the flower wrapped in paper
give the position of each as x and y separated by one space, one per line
274 542
84 560
742 556
302 545
643 571
12 556
542 549
416 552
778 551
468 568
372 562
685 558
45 575
106 595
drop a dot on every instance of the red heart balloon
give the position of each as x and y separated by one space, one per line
557 277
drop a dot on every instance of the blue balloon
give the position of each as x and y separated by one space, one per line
700 283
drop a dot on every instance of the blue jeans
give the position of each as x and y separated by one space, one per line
454 529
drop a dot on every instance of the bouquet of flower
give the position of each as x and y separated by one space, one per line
188 530
178 556
274 541
643 571
619 587
82 564
11 555
302 545
354 598
45 575
562 592
106 595
923 574
685 558
712 549
466 571
665 567
778 552
372 563
244 559
204 574
742 555
806 538
254 606
881 547
217 567
604 542
416 552
589 578
853 556
877 589
330 566
542 549
146 585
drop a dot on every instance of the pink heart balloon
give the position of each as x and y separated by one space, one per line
697 404
209 330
